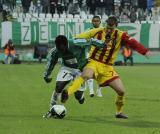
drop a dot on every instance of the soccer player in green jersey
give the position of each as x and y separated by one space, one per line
73 60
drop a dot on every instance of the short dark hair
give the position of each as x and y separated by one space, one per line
111 21
96 16
61 39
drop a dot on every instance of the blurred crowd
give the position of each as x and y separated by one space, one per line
125 10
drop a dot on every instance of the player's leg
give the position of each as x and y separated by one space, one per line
60 85
118 86
6 59
77 83
55 96
12 58
79 95
63 78
125 61
90 87
99 93
109 77
131 60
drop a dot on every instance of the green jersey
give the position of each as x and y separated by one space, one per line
74 57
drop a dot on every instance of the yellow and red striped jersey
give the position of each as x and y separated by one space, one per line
112 45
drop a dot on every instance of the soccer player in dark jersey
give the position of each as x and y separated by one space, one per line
100 63
73 60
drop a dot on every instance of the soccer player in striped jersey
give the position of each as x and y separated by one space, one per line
73 60
100 62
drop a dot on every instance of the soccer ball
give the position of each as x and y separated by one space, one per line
58 111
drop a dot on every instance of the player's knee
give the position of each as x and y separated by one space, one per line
59 88
87 73
60 85
86 76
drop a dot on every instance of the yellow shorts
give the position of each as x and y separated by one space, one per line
104 74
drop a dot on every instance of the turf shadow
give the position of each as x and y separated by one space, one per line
118 122
144 99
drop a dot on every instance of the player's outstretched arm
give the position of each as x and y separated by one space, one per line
134 44
84 42
78 42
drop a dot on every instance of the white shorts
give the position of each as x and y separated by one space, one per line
67 74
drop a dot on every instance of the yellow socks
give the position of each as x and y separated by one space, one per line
76 84
119 104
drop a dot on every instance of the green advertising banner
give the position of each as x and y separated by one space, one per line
70 29
27 33
16 33
0 34
34 31
53 30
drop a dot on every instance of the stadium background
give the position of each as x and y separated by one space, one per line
30 23
24 95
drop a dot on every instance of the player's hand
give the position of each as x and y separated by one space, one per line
47 80
148 54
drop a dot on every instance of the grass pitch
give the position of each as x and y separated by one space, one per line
24 98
